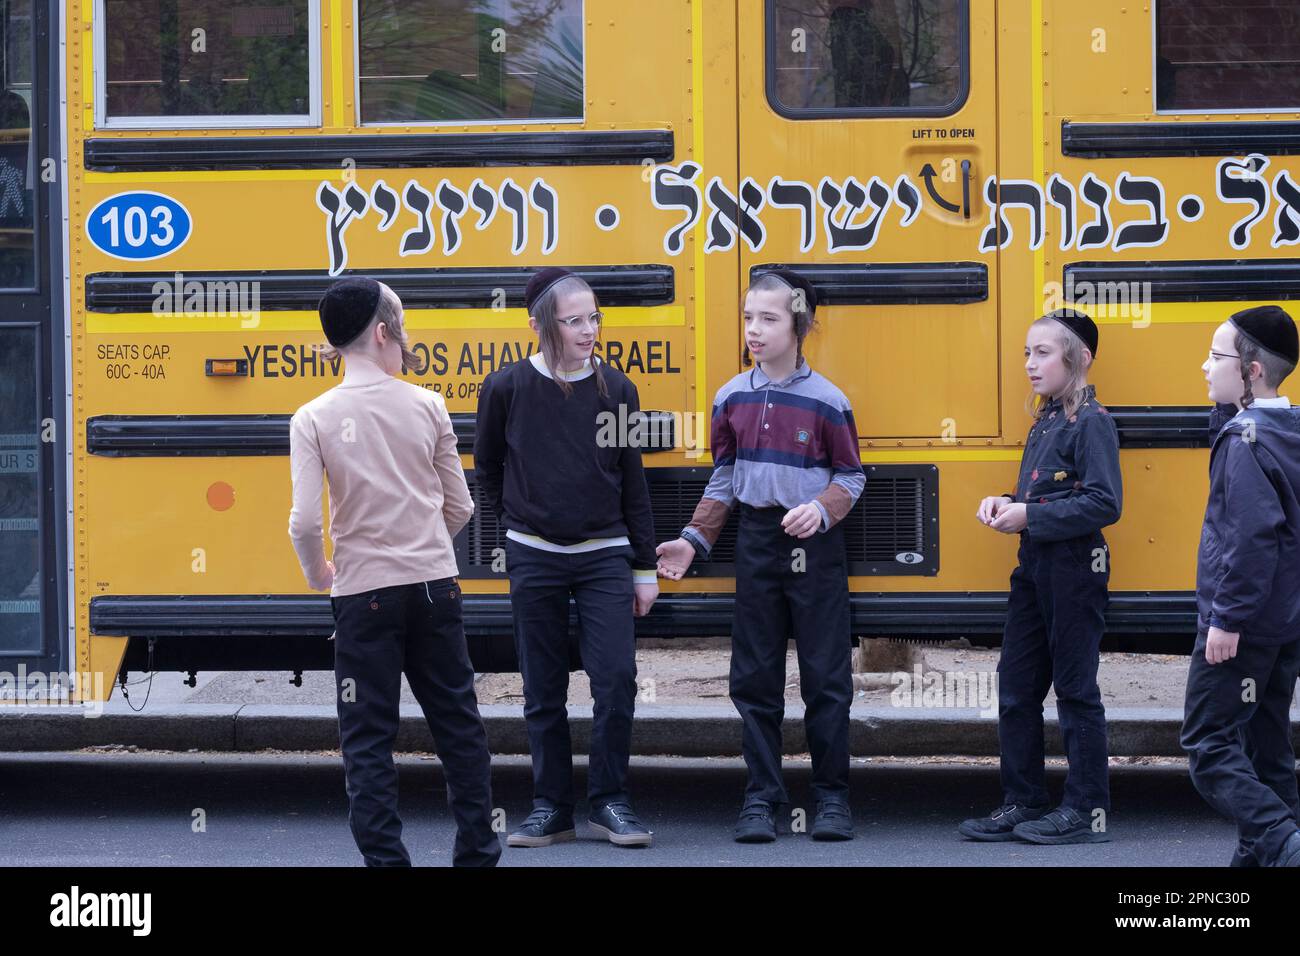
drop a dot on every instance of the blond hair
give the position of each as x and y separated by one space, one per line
388 312
1072 348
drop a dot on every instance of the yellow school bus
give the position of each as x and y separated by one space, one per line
180 179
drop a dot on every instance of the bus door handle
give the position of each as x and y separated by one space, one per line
965 188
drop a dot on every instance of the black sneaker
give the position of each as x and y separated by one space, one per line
1290 855
619 824
756 824
833 821
997 827
544 826
1062 825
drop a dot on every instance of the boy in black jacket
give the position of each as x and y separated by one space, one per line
1069 489
572 495
1237 724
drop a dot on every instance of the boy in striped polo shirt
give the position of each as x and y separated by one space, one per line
785 449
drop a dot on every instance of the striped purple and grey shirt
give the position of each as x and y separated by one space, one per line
779 444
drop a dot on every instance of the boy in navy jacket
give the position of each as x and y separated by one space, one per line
1068 490
1237 724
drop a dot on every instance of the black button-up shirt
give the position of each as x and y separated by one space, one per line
1069 474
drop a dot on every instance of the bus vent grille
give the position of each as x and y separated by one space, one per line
893 528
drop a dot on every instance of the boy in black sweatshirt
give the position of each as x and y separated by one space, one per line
571 492
1237 723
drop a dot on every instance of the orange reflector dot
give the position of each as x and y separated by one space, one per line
221 496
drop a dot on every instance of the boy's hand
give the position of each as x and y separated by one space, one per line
1220 645
675 557
991 507
329 577
1011 518
643 598
803 521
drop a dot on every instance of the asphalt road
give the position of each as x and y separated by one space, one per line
125 810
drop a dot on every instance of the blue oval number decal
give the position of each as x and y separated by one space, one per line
139 225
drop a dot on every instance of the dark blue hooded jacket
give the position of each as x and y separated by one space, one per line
1248 566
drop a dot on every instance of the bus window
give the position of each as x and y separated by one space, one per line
441 61
205 63
17 162
866 57
1223 55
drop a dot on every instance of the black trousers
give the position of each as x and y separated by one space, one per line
414 629
1055 621
1237 734
600 583
789 587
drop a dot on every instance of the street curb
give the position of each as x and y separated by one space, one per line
685 731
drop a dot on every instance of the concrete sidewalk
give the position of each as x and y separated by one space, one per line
710 730
683 709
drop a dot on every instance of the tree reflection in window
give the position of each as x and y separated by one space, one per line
429 61
183 58
867 54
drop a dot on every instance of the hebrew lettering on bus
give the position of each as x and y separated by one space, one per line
453 204
849 200
730 216
385 200
1286 225
852 213
675 189
340 209
1061 195
1141 190
1011 194
1242 182
419 238
429 213
794 194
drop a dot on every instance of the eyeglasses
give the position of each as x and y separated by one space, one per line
575 321
1219 355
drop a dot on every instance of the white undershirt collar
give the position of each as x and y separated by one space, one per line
539 363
